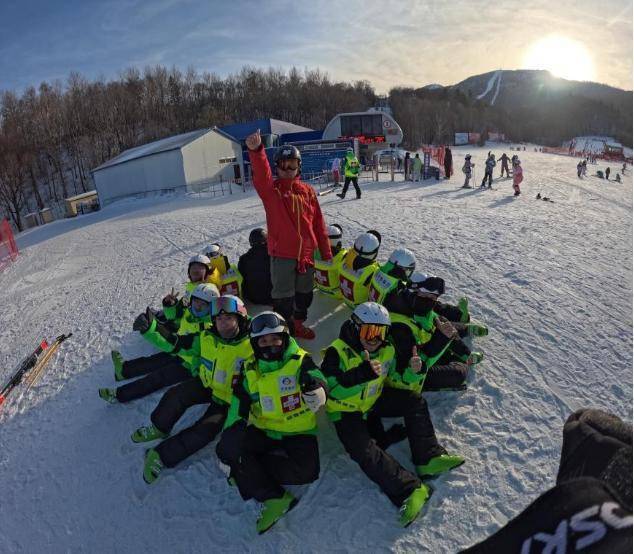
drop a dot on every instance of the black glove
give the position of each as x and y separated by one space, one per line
143 321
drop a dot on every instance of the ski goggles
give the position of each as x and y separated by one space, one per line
370 332
226 305
288 165
267 323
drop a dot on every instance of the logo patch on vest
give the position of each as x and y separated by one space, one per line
290 402
373 295
220 376
267 403
229 288
287 383
321 277
347 287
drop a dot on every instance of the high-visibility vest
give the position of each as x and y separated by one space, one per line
370 391
221 362
326 275
231 282
380 286
280 406
355 285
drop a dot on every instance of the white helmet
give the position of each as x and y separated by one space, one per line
266 323
367 245
403 259
205 291
420 281
199 259
335 234
212 250
371 313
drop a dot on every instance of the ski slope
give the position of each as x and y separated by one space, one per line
553 281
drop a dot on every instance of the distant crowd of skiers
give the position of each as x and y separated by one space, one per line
582 169
489 164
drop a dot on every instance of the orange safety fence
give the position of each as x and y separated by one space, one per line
8 248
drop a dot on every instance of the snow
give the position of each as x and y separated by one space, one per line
552 280
497 76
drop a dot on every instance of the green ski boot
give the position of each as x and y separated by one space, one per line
273 510
438 465
475 358
413 505
152 467
463 306
147 434
117 362
476 329
109 395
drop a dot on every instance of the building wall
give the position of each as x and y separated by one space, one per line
151 173
210 158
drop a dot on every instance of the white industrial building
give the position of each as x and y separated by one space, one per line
187 162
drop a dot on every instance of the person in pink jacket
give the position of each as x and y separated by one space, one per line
518 175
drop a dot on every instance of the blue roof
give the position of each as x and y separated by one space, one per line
268 126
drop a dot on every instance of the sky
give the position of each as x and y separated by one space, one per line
389 44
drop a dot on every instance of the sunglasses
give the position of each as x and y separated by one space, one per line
370 332
225 304
288 165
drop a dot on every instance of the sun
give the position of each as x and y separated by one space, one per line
561 56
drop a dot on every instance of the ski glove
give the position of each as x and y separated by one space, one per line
315 399
143 321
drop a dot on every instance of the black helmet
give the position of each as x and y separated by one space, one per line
288 152
258 236
269 323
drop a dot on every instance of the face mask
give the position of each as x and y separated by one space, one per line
271 352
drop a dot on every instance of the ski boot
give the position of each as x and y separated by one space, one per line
273 510
301 332
475 329
147 434
463 306
117 362
109 395
439 464
413 504
152 467
517 193
340 195
474 358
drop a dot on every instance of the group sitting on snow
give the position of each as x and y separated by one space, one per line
262 389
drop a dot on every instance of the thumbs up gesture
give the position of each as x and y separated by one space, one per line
415 362
376 366
254 140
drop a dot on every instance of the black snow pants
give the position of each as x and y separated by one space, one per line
412 407
261 465
489 175
346 184
160 370
171 408
396 482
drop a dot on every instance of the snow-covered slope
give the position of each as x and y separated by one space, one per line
552 280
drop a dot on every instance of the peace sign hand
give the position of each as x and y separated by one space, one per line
170 299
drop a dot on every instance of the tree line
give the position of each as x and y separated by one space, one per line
52 136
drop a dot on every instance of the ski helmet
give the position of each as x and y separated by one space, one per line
367 245
268 323
371 320
204 292
229 304
467 157
334 235
212 250
421 282
517 161
199 259
288 152
258 236
403 262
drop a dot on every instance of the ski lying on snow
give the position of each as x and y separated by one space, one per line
326 191
32 367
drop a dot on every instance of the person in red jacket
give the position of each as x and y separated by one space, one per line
296 228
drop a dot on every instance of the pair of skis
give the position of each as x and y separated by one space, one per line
30 370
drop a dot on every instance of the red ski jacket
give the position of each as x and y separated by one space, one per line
294 220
